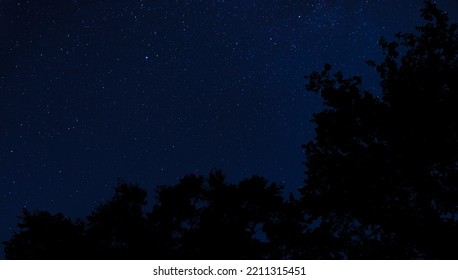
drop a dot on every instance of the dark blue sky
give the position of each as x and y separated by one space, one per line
149 91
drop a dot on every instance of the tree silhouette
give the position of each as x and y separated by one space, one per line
195 219
46 236
210 219
382 172
117 229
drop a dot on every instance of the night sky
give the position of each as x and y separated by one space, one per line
149 91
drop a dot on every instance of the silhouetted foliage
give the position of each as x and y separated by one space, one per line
46 236
381 180
382 172
117 229
195 219
210 219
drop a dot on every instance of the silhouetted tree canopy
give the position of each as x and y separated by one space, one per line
382 172
212 219
46 236
381 180
196 219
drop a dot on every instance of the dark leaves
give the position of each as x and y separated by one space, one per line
373 174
